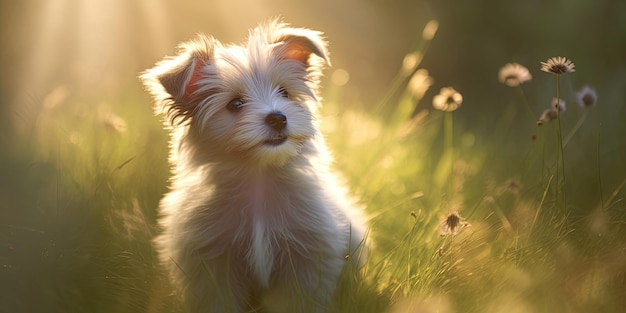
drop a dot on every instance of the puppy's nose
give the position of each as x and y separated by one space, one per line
276 120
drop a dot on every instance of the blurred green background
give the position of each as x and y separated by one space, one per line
83 160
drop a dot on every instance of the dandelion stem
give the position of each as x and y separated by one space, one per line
449 128
561 158
598 167
543 152
403 76
448 132
529 111
575 129
543 199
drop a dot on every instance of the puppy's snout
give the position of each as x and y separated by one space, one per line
276 120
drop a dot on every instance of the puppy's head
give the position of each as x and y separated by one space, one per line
254 102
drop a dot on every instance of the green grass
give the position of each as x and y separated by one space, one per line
546 234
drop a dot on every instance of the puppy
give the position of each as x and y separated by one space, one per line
254 218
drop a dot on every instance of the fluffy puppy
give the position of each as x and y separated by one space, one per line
254 218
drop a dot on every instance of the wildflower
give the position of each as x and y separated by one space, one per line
419 83
547 115
112 121
558 104
513 74
411 61
558 65
452 224
115 123
447 100
512 185
430 30
586 97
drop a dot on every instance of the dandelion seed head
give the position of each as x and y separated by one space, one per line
112 121
430 30
419 83
586 97
558 65
512 185
452 224
547 116
453 221
411 61
115 123
559 104
447 100
588 100
514 74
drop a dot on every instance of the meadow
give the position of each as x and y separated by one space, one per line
469 213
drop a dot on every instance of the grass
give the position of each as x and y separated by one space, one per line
80 187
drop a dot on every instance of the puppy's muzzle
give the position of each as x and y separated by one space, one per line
276 120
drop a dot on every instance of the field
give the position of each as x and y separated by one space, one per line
472 210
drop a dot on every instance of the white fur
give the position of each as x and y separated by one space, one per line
247 224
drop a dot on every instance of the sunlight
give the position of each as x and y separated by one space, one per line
90 43
41 60
102 29
159 27
84 160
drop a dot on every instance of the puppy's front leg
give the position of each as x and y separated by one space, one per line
304 285
217 285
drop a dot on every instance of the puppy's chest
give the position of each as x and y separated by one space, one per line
274 223
271 204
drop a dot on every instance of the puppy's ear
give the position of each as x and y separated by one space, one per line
175 81
299 44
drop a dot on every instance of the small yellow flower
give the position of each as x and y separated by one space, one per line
447 100
558 65
452 224
513 74
586 97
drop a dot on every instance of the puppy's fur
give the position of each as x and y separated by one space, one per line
254 218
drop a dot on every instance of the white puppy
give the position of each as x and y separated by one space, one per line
254 218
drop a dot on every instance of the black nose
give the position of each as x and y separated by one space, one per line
276 120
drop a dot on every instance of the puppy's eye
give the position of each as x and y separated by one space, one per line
283 92
235 105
